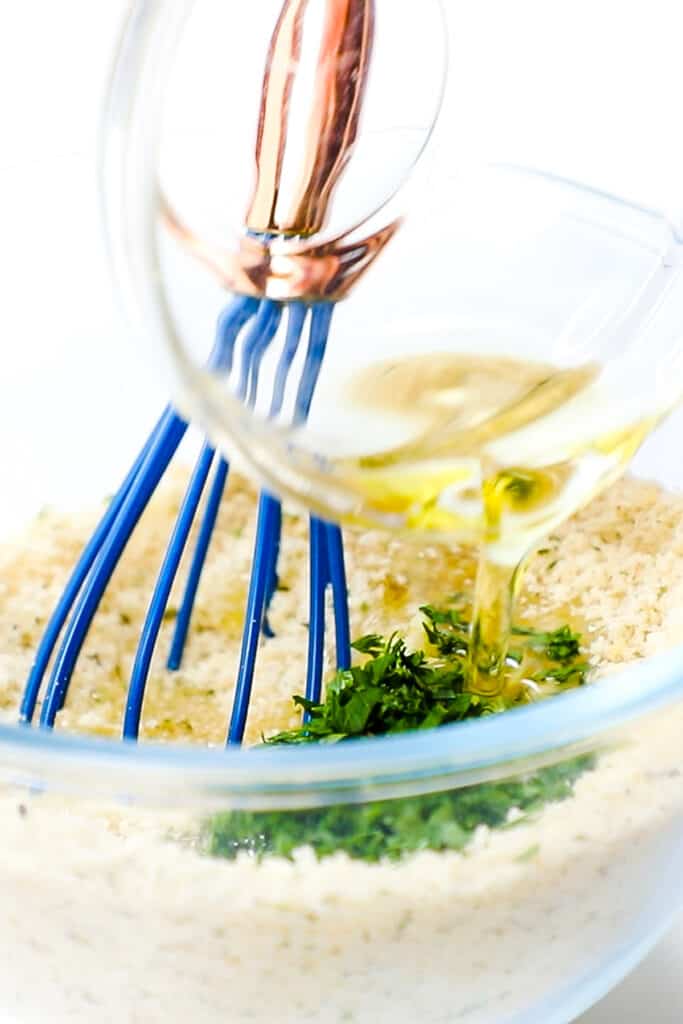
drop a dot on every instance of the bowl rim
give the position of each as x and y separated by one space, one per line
452 755
447 757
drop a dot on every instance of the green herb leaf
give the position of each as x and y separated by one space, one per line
394 690
371 644
391 828
559 645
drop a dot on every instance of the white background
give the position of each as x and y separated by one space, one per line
588 88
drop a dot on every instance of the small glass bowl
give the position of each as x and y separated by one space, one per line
112 902
115 902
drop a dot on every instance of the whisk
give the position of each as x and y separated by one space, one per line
252 322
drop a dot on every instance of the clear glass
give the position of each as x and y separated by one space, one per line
605 333
548 272
110 907
529 915
112 903
208 74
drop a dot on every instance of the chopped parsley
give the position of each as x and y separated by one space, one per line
393 690
559 645
391 828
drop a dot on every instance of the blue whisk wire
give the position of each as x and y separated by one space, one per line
261 334
230 324
326 548
75 582
162 590
319 574
153 467
231 321
264 556
326 568
320 330
298 311
337 578
182 624
238 314
77 606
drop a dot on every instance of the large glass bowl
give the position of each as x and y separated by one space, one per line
111 906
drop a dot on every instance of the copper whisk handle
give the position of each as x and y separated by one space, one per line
331 114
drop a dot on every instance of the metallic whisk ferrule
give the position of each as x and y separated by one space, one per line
303 146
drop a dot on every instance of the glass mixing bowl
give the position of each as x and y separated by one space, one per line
119 897
115 901
112 904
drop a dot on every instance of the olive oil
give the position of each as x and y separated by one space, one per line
502 450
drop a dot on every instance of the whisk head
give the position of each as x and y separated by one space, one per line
254 321
253 327
287 275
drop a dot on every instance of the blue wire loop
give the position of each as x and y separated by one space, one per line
162 591
184 617
74 612
229 326
337 579
136 500
326 547
239 313
320 329
298 311
75 582
230 323
319 576
264 557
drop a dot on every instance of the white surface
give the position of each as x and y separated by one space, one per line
590 88
652 994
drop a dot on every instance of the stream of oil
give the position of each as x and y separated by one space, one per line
503 450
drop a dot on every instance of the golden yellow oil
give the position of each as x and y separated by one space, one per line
502 451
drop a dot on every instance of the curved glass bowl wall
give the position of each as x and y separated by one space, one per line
119 896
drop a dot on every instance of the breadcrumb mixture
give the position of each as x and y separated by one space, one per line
617 567
105 915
